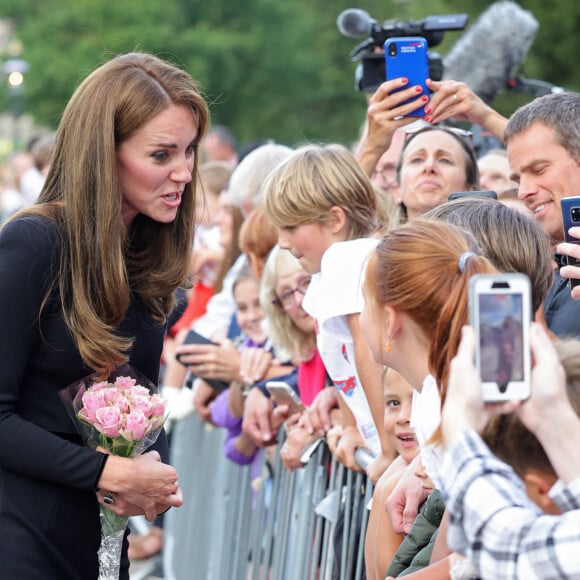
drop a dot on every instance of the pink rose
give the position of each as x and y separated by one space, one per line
138 391
108 421
159 404
143 404
92 402
124 382
122 403
109 394
157 411
101 385
136 426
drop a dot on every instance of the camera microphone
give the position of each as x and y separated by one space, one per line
487 55
355 23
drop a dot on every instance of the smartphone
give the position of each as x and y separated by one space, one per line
193 337
500 311
571 217
407 57
284 394
475 193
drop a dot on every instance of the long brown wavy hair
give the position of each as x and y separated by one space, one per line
102 262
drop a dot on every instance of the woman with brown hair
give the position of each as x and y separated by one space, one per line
88 279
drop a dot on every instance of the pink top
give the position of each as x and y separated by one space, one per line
311 378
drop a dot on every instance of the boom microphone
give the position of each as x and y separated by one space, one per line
487 55
355 23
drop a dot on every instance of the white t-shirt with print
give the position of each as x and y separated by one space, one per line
333 294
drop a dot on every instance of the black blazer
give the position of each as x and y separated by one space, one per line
49 522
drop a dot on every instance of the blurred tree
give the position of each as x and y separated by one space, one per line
269 69
65 39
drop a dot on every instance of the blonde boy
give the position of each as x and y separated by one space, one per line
325 209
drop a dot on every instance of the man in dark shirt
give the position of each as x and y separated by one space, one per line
543 144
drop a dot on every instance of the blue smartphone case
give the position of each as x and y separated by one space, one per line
410 60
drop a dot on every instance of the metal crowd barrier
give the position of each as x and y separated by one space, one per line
305 525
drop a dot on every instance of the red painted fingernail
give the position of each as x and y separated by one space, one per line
424 98
404 80
428 109
428 119
418 89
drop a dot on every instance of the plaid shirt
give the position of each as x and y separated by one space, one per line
495 524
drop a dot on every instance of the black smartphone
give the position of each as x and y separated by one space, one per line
407 57
193 337
500 312
570 218
474 193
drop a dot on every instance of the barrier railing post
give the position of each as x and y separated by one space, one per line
284 528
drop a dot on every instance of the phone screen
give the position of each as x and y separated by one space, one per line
570 218
500 312
501 338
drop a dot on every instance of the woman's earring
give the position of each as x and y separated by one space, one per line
389 344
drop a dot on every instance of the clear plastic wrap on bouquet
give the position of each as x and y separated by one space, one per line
122 415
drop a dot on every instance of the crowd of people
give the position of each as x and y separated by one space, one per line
342 272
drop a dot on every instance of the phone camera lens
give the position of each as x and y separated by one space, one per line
392 50
575 212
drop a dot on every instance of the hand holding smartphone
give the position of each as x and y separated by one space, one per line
570 218
407 57
500 313
284 394
193 337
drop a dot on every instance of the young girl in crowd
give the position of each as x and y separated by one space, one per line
227 408
381 541
325 208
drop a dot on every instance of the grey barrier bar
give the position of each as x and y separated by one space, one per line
280 526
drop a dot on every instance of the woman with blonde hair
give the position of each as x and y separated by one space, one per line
292 332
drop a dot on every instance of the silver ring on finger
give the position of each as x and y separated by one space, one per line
109 499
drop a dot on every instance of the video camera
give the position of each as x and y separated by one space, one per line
355 23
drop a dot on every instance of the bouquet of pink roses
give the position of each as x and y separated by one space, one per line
123 416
